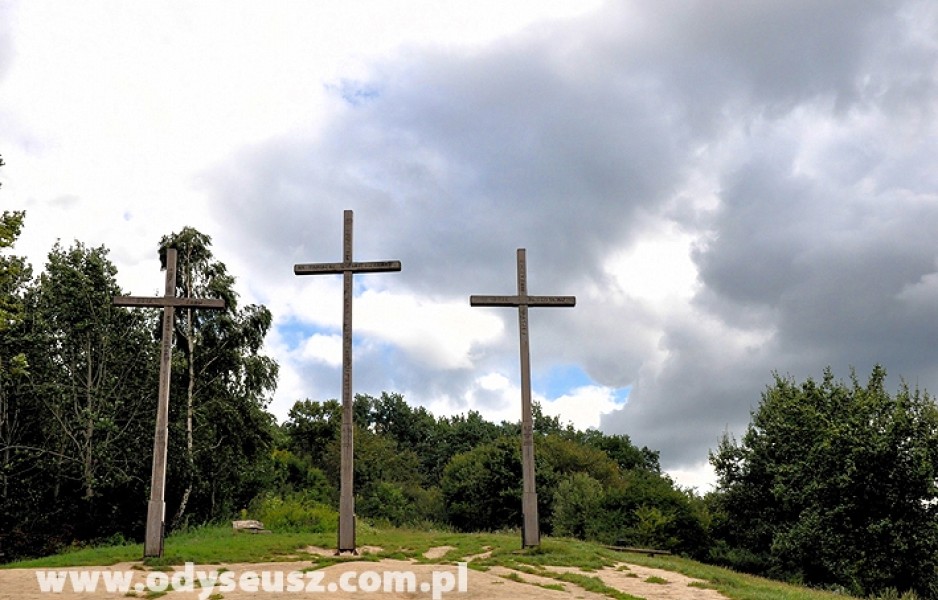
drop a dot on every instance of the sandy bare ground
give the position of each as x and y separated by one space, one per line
245 581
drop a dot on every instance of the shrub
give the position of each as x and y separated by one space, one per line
576 501
295 513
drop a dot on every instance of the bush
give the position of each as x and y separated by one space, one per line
295 513
387 502
577 500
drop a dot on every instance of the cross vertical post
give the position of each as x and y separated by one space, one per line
346 535
156 508
530 533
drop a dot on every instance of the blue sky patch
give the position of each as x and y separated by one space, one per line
563 379
560 380
295 332
357 93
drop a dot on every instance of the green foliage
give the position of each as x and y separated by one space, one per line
78 378
834 484
72 427
77 381
291 473
387 502
577 499
294 513
647 510
17 421
14 280
221 384
311 426
620 449
556 458
482 487
582 493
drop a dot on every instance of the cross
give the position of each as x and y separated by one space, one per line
346 541
156 509
530 534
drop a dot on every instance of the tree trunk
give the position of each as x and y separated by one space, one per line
190 394
6 439
88 458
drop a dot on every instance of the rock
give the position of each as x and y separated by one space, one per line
249 526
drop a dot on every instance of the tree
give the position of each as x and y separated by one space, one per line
482 487
15 276
95 386
620 449
392 443
835 484
20 469
311 426
454 435
78 414
224 381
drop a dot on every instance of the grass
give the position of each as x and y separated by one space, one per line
220 544
204 545
737 586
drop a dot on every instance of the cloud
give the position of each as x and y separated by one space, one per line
729 190
326 349
583 407
439 335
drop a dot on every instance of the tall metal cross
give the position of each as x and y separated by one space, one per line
346 541
530 533
156 509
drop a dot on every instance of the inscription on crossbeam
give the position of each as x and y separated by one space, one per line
522 300
382 266
167 301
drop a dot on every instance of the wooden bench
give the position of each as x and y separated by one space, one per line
649 551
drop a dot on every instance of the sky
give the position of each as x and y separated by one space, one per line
729 189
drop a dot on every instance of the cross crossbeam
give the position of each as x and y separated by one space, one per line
530 534
346 535
156 509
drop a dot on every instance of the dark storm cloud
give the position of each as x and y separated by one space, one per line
820 243
815 121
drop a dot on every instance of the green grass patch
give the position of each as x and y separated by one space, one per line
656 579
737 586
552 586
703 585
204 545
513 577
593 584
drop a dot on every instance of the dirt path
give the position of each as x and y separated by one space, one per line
243 581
